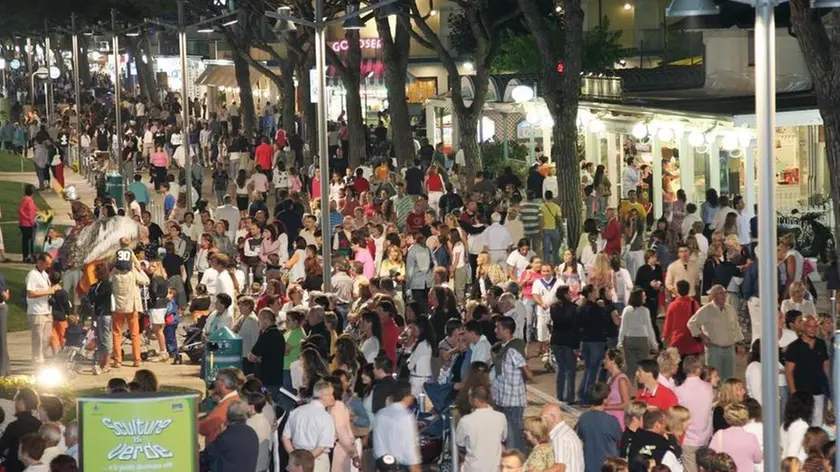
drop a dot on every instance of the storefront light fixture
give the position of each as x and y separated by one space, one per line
469 67
597 126
665 134
522 94
533 117
745 139
696 139
391 9
730 142
433 12
628 6
133 34
640 131
205 30
692 8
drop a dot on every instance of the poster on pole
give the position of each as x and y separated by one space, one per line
138 432
313 86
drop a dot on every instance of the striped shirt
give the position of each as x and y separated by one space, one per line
402 207
530 215
336 218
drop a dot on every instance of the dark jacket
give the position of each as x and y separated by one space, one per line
382 389
564 328
235 450
24 424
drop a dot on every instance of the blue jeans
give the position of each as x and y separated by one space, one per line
551 246
287 380
515 416
593 356
566 366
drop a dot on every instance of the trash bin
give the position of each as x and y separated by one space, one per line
114 187
222 349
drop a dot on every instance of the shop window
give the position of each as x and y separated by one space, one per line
422 89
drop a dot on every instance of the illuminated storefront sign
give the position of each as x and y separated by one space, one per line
365 43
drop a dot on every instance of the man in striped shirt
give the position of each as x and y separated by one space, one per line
529 213
403 204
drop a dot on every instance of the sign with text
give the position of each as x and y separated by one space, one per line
365 43
134 433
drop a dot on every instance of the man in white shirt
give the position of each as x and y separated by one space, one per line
498 240
311 428
744 217
479 345
224 282
38 311
510 306
568 450
204 139
231 214
481 433
519 260
395 433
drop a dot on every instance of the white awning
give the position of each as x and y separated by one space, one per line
784 118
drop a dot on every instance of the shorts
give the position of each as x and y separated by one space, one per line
543 333
157 316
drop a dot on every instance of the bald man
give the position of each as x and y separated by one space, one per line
568 450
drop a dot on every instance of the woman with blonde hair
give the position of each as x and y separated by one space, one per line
732 391
797 301
791 464
158 290
740 444
601 274
669 363
677 419
394 262
537 432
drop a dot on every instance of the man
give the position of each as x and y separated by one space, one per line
720 216
237 447
414 179
225 386
402 204
395 433
268 352
300 461
318 328
568 450
481 433
550 217
71 439
230 213
653 393
744 217
26 402
519 260
38 310
651 440
807 366
682 269
499 241
750 293
308 231
32 448
480 347
529 213
155 233
698 396
632 203
51 433
264 154
126 279
384 383
311 428
140 191
716 323
415 219
450 347
450 201
612 233
599 431
511 369
675 333
512 461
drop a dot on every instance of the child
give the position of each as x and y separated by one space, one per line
200 304
61 307
170 329
74 336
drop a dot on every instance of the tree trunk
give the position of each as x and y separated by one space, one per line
350 73
468 134
84 65
564 154
395 56
309 121
146 70
289 97
247 111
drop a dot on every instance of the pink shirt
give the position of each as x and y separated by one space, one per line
27 210
614 398
698 397
159 159
367 261
740 444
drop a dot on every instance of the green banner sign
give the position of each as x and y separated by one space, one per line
138 433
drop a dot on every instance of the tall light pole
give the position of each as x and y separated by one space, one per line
185 113
48 98
77 89
765 119
29 69
117 100
349 21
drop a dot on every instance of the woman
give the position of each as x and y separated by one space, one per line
101 296
797 416
346 356
602 186
274 243
677 419
159 161
601 276
526 284
146 380
634 242
241 190
797 300
313 266
731 391
636 336
221 241
590 228
730 224
157 306
443 308
708 210
202 257
420 360
537 432
742 445
434 186
651 279
678 212
309 369
571 273
345 455
394 263
592 319
295 264
336 185
53 241
791 265
459 270
619 383
371 334
295 294
478 373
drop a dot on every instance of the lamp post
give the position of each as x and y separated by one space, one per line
117 100
48 97
320 25
77 89
765 114
29 68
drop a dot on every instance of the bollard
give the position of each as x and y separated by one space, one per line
454 442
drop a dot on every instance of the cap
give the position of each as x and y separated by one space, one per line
123 259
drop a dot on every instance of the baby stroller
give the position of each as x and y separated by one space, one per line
193 345
146 337
435 426
79 348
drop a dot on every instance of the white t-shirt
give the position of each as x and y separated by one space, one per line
458 256
546 293
482 433
260 182
519 262
753 377
37 281
370 348
209 278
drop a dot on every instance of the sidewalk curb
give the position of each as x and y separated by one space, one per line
547 398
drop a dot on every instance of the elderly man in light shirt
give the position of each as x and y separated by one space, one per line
498 240
311 428
567 447
682 269
698 396
395 433
510 306
481 433
716 323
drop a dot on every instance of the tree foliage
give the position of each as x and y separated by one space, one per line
601 49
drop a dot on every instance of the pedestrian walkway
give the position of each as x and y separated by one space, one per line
56 201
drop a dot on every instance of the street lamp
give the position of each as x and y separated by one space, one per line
765 111
386 8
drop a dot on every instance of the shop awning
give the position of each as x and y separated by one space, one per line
225 76
372 72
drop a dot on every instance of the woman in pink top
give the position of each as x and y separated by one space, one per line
736 441
526 281
619 396
159 161
345 454
27 210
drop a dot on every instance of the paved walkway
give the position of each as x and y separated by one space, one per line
56 201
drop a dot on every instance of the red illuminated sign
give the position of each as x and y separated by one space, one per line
561 67
365 43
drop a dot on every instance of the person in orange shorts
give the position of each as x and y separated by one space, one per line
61 307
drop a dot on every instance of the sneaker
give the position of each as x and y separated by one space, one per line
97 370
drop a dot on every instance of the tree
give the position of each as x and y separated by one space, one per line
561 92
818 41
601 49
482 30
395 50
350 72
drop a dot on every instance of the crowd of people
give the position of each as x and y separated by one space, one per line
442 284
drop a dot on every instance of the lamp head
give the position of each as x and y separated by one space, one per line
692 8
284 26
